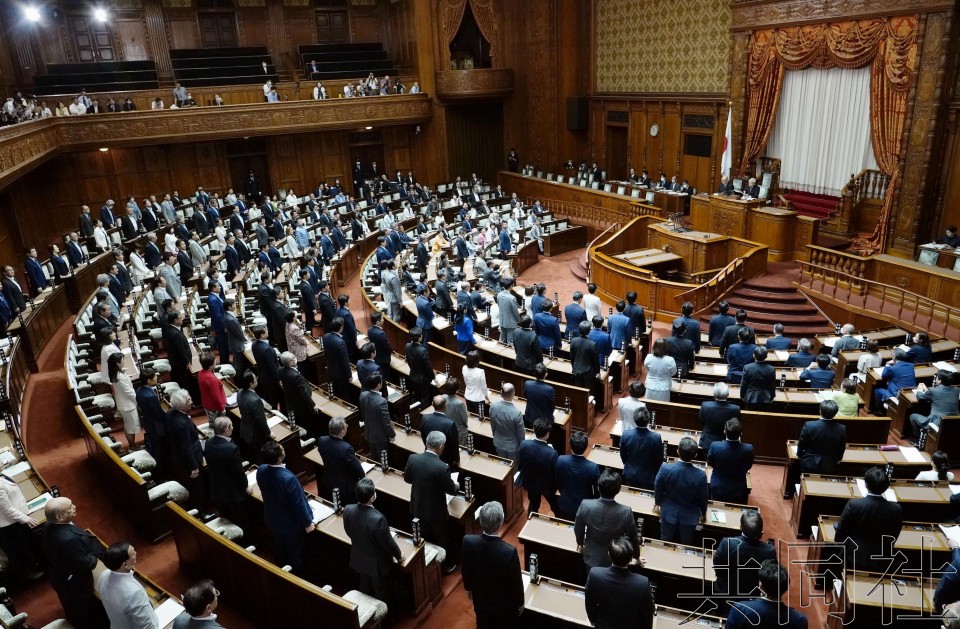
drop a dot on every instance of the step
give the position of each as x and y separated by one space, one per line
195 53
761 295
577 269
752 305
337 57
321 48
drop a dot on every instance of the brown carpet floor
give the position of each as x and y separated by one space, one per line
58 453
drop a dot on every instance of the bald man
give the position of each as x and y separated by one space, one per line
72 554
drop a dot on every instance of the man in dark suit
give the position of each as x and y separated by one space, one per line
778 340
184 440
821 376
714 415
107 216
574 314
731 460
13 291
576 477
802 357
128 225
586 365
737 560
680 349
72 555
199 604
430 482
75 253
616 597
338 360
236 338
253 430
719 323
731 334
86 222
286 513
422 254
491 572
149 216
525 344
541 397
758 384
767 612
536 466
180 355
601 520
437 421
460 251
268 366
297 393
341 467
634 312
726 186
421 371
375 414
641 451
681 495
869 525
152 417
228 482
689 327
822 442
381 343
328 310
35 277
739 355
372 546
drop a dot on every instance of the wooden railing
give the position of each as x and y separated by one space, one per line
850 269
742 268
586 253
867 185
600 218
893 303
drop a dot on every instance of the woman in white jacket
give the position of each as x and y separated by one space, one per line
100 236
125 397
15 524
138 266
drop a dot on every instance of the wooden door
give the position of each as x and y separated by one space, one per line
218 29
240 167
332 27
92 40
615 160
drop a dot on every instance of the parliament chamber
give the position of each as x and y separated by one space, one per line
553 313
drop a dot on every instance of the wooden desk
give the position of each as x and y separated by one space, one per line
869 600
41 320
554 604
857 459
915 539
561 241
700 251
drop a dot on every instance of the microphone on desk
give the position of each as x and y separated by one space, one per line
468 488
384 461
665 446
534 564
417 535
337 506
407 426
470 448
640 529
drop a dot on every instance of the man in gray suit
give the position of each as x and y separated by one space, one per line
943 402
199 603
509 311
391 290
372 547
236 339
601 520
375 413
430 482
169 274
506 421
846 341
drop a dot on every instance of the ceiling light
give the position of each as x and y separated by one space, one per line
368 128
100 14
32 13
104 149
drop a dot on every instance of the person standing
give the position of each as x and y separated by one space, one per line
585 362
615 596
576 477
491 572
536 467
737 559
228 482
731 460
286 513
421 371
714 415
822 442
430 482
509 312
767 612
341 467
868 525
338 359
641 451
184 439
681 495
541 397
525 344
438 421
372 546
375 414
601 520
506 421
72 554
661 368
123 597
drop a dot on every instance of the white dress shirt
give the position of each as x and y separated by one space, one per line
474 384
13 505
126 602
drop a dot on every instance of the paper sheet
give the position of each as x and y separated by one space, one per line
720 370
718 516
320 511
525 577
889 494
824 395
955 489
7 456
17 468
941 364
367 466
912 455
456 479
168 611
252 478
232 399
904 347
952 532
781 354
275 420
37 503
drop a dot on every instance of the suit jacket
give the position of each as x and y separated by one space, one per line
576 479
541 401
526 345
682 493
681 350
86 225
14 295
899 375
509 312
338 360
341 467
731 336
919 354
574 314
285 509
547 328
35 276
943 401
418 359
129 227
460 250
641 451
863 525
184 441
378 337
253 429
822 444
758 385
179 351
236 339
598 522
536 467
442 423
731 460
759 613
185 621
228 482
75 253
616 598
843 344
634 312
149 218
328 311
375 412
713 417
430 482
800 359
372 546
491 573
507 424
297 394
72 554
736 563
583 354
818 378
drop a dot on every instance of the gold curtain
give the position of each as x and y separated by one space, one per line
485 13
889 44
451 14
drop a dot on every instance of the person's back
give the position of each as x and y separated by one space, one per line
731 460
601 520
491 571
714 415
681 493
767 612
641 451
616 597
506 422
822 441
576 477
737 560
868 524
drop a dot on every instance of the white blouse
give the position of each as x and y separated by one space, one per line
13 506
868 362
932 475
475 384
100 237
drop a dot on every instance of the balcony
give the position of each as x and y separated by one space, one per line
480 84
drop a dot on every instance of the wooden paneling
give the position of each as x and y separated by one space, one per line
184 33
300 28
251 26
365 25
474 139
132 37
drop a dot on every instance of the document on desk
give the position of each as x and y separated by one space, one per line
231 400
367 466
456 479
912 455
890 494
718 517
781 354
37 503
252 477
720 370
942 364
320 511
275 419
167 611
525 577
822 396
18 468
952 532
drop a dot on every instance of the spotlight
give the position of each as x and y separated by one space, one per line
32 13
368 128
104 150
100 14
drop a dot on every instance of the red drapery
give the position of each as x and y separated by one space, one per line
484 12
889 44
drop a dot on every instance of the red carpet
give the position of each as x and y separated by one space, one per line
815 205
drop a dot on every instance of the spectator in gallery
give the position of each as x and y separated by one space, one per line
319 92
128 105
157 103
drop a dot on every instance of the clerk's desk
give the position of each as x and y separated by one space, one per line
492 476
675 568
870 600
328 557
699 251
915 539
828 495
608 456
857 459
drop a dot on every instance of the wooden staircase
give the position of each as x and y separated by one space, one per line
768 302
